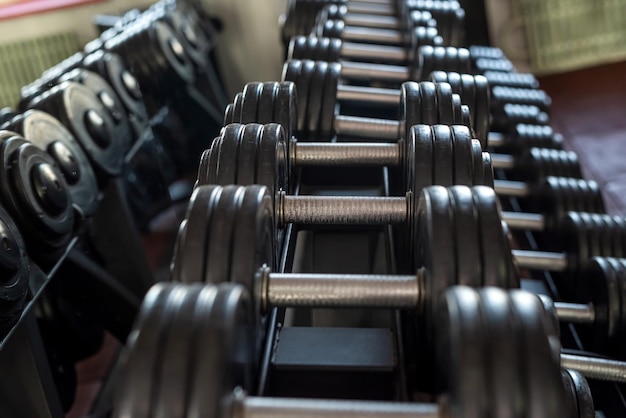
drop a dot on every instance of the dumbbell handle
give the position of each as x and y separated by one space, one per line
265 407
368 154
360 51
577 313
372 210
382 129
371 21
595 368
370 8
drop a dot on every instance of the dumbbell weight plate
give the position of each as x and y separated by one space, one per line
286 110
462 141
221 226
48 223
443 162
538 358
14 264
419 145
316 96
267 100
429 110
237 107
77 108
203 167
488 177
250 98
301 71
496 252
602 282
248 146
461 327
254 241
444 104
47 133
135 395
226 169
466 236
190 251
578 388
272 159
227 364
174 346
502 350
229 116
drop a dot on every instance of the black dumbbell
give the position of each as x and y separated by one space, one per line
78 108
163 375
15 271
600 294
34 192
418 28
427 103
112 69
50 135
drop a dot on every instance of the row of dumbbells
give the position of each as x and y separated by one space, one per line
497 352
98 119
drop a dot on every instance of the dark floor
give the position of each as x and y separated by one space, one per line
589 109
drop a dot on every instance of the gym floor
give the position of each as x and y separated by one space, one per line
588 108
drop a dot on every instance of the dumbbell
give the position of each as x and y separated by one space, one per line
163 376
103 140
601 300
15 271
559 195
276 102
475 91
35 194
415 29
51 136
319 88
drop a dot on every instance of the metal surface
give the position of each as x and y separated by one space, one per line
540 260
312 408
387 53
382 72
595 368
576 313
347 154
338 210
343 290
378 96
511 188
380 129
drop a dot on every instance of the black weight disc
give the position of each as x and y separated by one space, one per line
171 379
50 135
481 109
237 104
544 390
172 51
134 397
496 251
188 262
458 110
488 177
220 238
79 109
224 352
434 249
272 161
428 93
599 284
582 399
229 116
226 170
247 156
410 107
443 156
286 109
108 99
36 195
251 96
14 266
112 68
461 353
267 101
203 167
214 153
301 72
254 246
420 147
467 232
314 103
444 103
478 172
506 378
462 145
